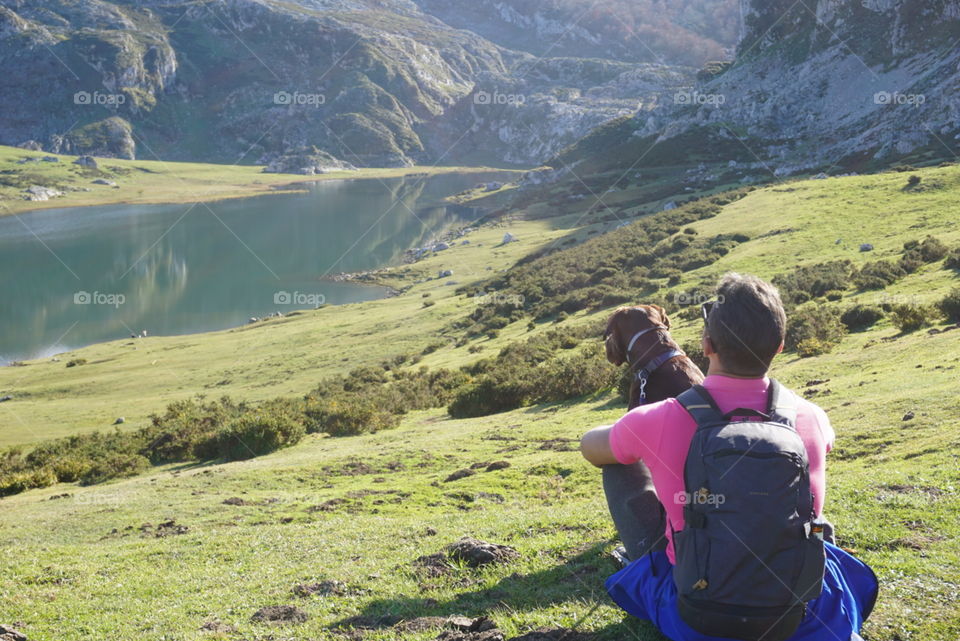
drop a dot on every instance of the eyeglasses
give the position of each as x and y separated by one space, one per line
706 308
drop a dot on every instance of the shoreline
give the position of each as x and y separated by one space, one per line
158 182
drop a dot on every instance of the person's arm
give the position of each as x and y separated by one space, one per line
595 446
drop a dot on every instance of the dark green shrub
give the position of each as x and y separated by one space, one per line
188 430
576 375
911 261
497 391
950 305
953 259
694 351
878 274
258 432
932 249
114 466
814 330
812 281
76 361
860 317
16 482
909 318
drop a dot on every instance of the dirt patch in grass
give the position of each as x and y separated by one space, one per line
165 529
217 626
929 490
327 587
459 474
475 553
558 444
432 565
279 614
327 506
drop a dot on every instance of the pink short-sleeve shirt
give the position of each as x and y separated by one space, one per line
659 434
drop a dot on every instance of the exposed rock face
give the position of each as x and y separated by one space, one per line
369 82
844 83
626 30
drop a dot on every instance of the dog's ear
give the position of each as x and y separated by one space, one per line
664 319
612 341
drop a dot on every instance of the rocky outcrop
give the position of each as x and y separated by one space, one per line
369 82
842 85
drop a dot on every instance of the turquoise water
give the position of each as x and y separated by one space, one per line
76 276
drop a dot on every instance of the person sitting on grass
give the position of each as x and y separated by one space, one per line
737 547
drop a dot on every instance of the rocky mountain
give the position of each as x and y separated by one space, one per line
682 31
834 85
316 84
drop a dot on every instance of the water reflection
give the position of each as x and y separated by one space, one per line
72 277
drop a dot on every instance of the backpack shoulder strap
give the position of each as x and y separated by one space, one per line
701 406
781 404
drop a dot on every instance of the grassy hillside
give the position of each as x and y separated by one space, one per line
149 181
104 562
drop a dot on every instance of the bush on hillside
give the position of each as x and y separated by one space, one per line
929 250
346 415
814 330
600 272
114 466
878 275
187 430
950 305
860 317
694 351
257 433
953 259
910 318
507 384
812 281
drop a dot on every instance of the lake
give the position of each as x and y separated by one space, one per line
76 276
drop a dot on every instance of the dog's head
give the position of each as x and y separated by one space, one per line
627 321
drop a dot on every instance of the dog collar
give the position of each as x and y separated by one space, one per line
650 367
639 334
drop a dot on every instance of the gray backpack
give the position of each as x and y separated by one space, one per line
751 553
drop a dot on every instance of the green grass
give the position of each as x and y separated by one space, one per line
80 568
154 181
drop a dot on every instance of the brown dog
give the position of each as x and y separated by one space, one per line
640 336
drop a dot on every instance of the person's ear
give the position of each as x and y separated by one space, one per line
664 319
707 346
780 349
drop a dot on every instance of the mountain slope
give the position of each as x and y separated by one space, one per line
370 83
839 86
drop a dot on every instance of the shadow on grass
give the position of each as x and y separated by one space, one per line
578 579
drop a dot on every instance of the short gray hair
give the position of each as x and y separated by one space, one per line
747 324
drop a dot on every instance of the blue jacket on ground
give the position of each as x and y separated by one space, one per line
646 590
